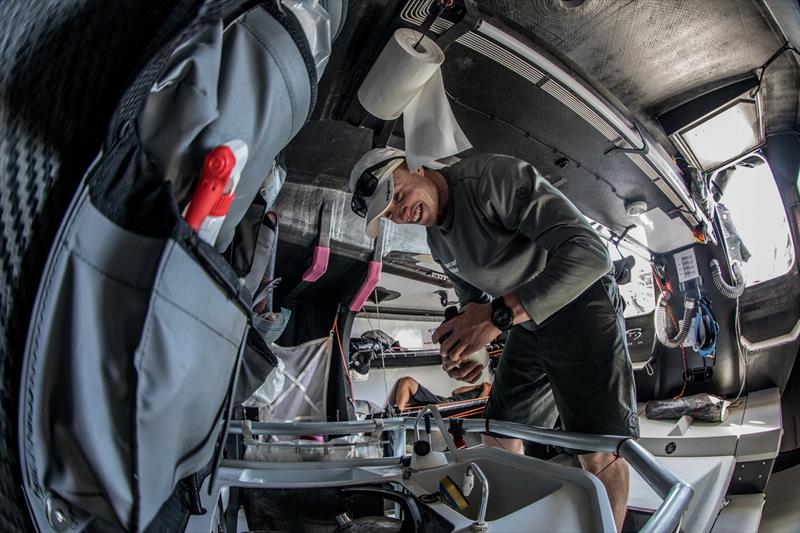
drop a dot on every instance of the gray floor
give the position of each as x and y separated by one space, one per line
782 508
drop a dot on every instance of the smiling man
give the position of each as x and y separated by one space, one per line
522 259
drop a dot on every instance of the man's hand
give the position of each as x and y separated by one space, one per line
466 333
469 371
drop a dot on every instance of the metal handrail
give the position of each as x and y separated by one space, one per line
675 493
564 439
323 428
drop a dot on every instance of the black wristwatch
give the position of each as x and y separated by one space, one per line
502 315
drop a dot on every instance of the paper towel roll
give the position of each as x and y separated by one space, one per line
399 74
430 128
407 81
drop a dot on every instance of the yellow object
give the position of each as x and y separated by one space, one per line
451 494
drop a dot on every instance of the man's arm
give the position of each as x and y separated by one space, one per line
517 197
520 199
520 313
466 388
466 292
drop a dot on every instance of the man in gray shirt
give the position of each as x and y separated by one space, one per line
522 259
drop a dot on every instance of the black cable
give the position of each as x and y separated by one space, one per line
786 47
523 131
530 136
616 239
680 209
616 457
643 150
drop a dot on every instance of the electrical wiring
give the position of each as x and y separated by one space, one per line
742 357
616 458
383 358
663 291
633 246
341 352
529 135
685 211
763 68
685 376
643 150
505 122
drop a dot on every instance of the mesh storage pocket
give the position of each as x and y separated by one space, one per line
185 360
137 345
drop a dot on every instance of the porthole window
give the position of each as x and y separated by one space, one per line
753 221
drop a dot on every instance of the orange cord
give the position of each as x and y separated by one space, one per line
469 412
451 404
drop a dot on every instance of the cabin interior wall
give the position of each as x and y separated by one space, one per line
647 384
358 45
669 364
766 310
790 413
314 311
771 309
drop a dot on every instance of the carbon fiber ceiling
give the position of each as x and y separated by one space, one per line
653 54
643 56
600 184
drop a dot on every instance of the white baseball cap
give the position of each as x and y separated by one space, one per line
372 174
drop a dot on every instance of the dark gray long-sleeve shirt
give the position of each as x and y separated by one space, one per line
507 229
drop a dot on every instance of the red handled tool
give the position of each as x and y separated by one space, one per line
214 178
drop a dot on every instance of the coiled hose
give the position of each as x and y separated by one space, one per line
729 291
661 325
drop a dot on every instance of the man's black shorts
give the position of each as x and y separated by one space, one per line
575 365
424 396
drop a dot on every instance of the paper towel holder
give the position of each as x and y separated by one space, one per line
470 20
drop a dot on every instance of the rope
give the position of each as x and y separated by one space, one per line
468 412
448 405
616 458
341 352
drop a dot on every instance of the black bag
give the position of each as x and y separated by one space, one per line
139 327
705 407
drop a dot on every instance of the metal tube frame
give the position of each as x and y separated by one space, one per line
480 522
675 493
324 428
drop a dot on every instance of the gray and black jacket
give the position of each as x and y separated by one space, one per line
507 229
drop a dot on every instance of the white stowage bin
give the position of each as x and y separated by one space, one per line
709 476
525 494
751 432
706 455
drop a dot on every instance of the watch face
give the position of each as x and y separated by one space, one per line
502 317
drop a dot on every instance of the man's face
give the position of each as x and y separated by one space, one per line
416 199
